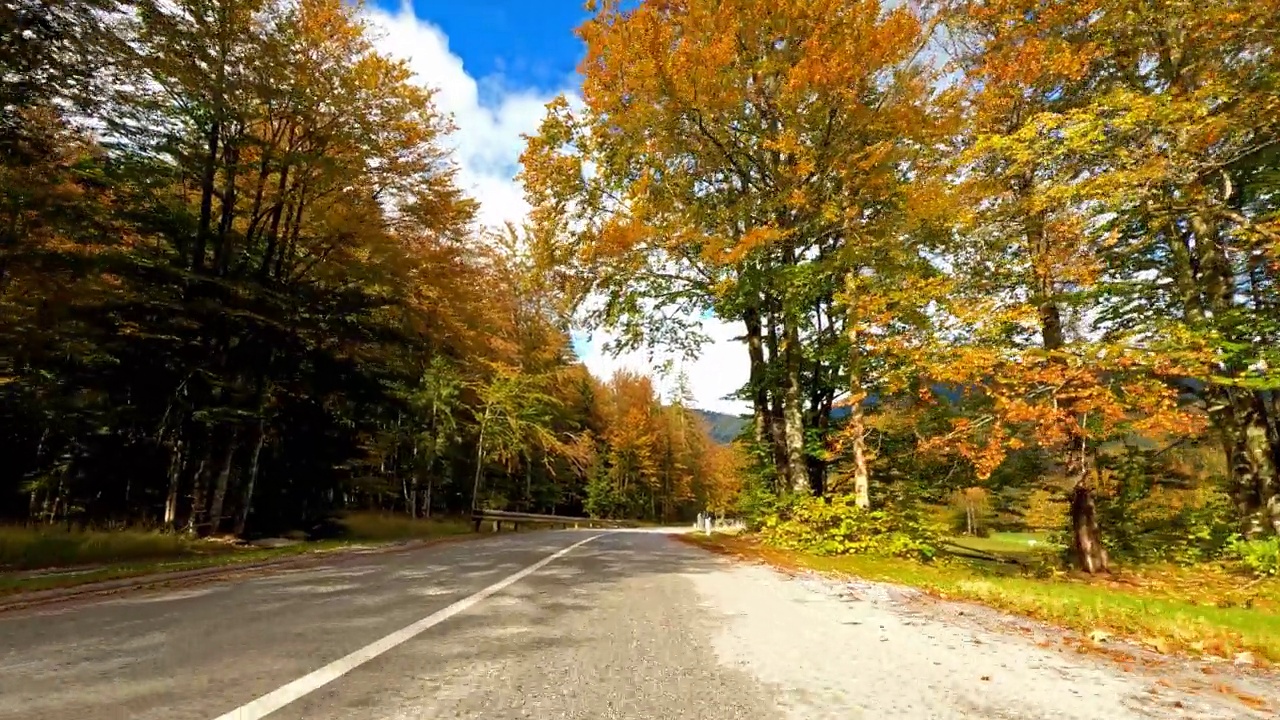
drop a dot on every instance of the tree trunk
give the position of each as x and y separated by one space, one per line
1252 456
426 504
528 484
1088 552
1086 536
273 232
475 486
221 483
222 253
861 472
175 485
205 227
759 392
777 424
195 520
793 415
411 492
246 497
288 252
59 498
1255 487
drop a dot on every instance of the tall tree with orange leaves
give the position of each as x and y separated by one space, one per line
737 158
1119 180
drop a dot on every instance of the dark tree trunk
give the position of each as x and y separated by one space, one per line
1086 537
205 228
176 463
759 390
221 482
246 495
273 232
199 501
222 253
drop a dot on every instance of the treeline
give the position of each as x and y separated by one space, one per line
967 242
240 290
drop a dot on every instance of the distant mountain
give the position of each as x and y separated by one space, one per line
724 428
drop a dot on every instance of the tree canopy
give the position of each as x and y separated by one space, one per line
1034 230
241 289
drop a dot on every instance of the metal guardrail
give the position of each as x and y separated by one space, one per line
515 519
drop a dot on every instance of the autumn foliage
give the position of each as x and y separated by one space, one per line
241 290
1038 231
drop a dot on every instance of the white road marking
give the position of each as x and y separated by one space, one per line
313 681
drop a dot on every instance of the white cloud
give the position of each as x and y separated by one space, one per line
490 116
721 369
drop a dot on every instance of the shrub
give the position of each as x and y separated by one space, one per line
1260 557
1153 510
839 527
757 501
384 527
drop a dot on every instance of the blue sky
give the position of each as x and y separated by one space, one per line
494 65
529 43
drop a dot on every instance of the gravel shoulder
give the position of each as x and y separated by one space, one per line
844 650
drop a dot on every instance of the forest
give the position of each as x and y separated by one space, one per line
241 291
1015 258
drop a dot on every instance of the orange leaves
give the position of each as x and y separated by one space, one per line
750 110
754 239
661 453
1052 400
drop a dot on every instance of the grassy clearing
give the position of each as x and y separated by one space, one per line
1022 547
44 558
1015 543
1203 610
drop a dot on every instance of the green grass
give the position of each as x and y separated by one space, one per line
14 583
43 558
23 548
1015 546
1199 610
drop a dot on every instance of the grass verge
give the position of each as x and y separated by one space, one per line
1201 611
11 583
1023 547
33 559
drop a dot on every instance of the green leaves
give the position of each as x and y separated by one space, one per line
838 527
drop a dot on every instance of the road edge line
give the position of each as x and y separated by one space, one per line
316 679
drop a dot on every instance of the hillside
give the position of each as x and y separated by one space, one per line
724 427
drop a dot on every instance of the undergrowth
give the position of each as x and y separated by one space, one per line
837 526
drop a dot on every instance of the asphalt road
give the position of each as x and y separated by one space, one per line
605 630
539 625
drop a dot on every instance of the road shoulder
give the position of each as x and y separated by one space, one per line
961 657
